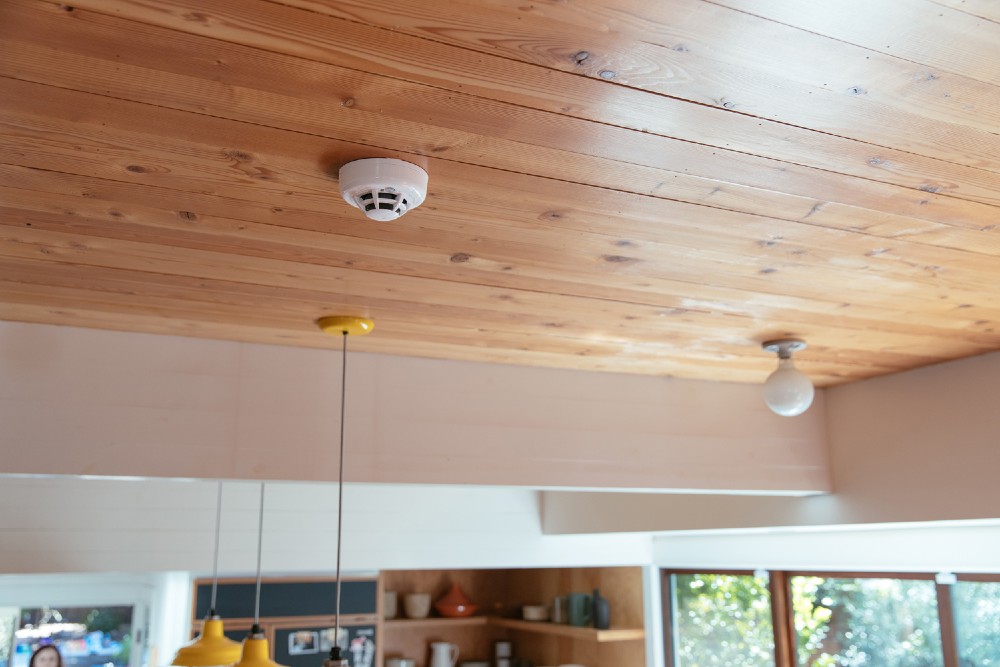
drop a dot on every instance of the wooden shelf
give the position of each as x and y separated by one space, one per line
439 623
545 628
536 627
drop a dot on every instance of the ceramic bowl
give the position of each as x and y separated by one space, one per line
535 612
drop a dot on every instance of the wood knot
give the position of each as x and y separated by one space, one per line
460 258
190 216
617 259
136 169
349 102
581 56
607 74
239 156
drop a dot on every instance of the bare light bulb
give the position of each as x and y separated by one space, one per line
787 391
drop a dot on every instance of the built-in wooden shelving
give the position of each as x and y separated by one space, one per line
591 634
435 623
537 627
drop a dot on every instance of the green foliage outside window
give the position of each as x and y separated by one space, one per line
977 618
723 621
866 623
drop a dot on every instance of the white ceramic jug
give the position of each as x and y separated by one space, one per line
443 654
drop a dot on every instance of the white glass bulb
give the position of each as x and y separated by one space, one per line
788 391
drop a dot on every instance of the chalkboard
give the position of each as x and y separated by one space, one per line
309 646
283 599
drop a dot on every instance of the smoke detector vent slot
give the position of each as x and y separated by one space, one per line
384 189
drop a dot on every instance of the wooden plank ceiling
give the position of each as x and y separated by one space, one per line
624 185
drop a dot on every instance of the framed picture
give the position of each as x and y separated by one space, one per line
303 642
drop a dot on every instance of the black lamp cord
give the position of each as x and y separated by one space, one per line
215 561
255 630
335 649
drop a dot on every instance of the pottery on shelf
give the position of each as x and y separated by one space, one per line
455 604
602 612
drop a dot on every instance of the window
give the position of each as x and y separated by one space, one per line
722 619
866 622
977 622
85 636
804 619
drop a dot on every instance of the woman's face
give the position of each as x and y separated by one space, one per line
47 658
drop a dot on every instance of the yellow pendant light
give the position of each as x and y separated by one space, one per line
256 652
212 647
343 326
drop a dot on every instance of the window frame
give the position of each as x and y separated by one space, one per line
783 621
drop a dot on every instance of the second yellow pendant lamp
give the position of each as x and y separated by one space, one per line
256 652
212 647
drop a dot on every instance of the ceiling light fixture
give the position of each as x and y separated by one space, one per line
212 647
343 326
383 188
787 391
256 652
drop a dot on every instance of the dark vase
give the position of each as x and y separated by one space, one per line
602 612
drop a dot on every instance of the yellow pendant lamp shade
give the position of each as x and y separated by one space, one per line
256 652
211 648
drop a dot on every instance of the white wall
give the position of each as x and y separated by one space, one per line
74 525
78 401
912 447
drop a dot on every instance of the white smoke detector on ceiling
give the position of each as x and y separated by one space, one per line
383 188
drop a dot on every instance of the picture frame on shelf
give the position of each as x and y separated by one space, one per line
303 642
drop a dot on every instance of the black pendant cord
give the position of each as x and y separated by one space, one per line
260 543
215 561
335 649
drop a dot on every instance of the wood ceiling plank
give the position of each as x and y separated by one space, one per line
941 38
557 273
738 197
370 48
462 304
388 116
538 256
498 255
100 154
956 301
221 302
708 54
735 270
46 309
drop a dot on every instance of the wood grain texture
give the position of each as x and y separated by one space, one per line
706 53
596 200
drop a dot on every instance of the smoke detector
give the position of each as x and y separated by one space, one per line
383 188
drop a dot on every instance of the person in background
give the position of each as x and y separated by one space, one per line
46 656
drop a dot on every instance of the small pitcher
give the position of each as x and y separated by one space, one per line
443 654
